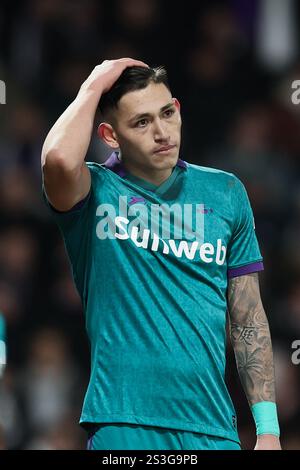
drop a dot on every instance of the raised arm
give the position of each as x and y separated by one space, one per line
66 177
251 341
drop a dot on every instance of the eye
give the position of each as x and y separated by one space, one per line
142 123
169 112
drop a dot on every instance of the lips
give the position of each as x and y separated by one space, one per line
165 148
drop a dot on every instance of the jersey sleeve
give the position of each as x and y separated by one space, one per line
76 226
72 220
244 256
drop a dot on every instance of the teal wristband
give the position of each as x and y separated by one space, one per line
265 417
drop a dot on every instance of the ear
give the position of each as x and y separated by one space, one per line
107 134
176 103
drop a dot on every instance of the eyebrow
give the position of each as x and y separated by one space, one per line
144 115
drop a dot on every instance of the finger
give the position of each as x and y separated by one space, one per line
133 62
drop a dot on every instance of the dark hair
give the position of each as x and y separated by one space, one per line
132 78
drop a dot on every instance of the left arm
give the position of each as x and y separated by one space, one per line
251 341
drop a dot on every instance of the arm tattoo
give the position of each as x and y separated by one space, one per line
250 337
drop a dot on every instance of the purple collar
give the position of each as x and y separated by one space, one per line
116 165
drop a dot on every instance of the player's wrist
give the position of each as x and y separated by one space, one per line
90 91
266 419
267 442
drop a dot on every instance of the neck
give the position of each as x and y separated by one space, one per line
156 177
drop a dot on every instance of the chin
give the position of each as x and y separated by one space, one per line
165 162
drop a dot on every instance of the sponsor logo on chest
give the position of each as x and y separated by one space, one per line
176 229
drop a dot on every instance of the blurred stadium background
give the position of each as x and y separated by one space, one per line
231 64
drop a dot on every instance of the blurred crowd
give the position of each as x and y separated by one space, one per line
231 64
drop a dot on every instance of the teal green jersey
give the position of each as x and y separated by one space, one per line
151 264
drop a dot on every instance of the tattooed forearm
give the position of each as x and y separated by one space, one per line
250 336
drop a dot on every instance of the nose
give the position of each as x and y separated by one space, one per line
160 132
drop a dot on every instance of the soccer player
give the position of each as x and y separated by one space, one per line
2 345
2 365
160 250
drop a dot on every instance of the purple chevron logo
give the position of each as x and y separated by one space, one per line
205 210
136 199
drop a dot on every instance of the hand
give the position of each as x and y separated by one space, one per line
267 442
106 74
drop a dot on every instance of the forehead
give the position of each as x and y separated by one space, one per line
147 100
